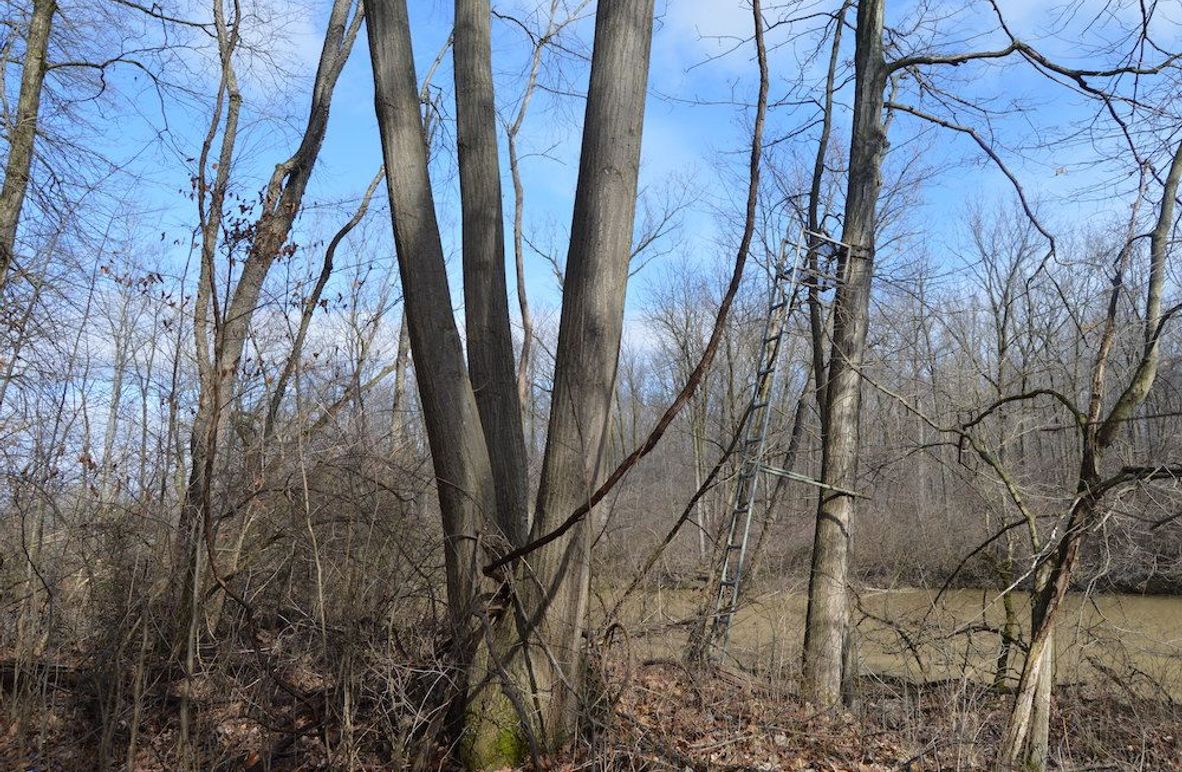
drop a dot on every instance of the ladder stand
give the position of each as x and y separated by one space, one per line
782 300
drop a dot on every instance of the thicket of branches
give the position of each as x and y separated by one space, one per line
221 542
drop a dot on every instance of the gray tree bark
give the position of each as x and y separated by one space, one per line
486 301
24 131
827 624
459 454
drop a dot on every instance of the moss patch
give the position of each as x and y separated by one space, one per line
493 737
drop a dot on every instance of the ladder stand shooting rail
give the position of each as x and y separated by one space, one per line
785 283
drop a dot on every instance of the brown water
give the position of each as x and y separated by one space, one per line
1123 641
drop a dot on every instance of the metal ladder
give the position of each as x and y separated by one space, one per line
785 283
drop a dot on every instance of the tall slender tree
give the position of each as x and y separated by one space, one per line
23 137
486 300
827 636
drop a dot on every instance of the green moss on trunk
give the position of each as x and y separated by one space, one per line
493 737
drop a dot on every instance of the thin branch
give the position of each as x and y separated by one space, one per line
989 151
952 59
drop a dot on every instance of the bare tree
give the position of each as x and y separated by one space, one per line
829 650
520 698
222 333
827 641
23 137
1027 731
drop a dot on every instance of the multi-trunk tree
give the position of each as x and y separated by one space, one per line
519 631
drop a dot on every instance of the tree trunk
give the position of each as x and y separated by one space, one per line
552 584
458 452
827 623
24 131
1027 739
486 301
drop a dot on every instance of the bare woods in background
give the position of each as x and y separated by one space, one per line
266 505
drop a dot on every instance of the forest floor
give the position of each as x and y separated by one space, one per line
925 697
653 715
666 717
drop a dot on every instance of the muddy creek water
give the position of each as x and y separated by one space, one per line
1126 642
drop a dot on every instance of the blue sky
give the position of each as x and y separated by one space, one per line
702 81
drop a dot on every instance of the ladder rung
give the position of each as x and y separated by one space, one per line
727 583
734 546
